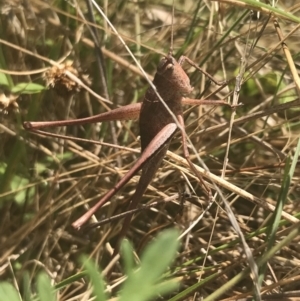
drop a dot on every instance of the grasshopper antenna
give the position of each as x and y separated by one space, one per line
172 31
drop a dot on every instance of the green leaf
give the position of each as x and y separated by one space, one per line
8 292
270 82
44 288
27 88
96 279
12 164
26 287
16 184
146 283
127 254
3 80
70 280
162 252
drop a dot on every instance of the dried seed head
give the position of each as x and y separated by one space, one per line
57 79
8 103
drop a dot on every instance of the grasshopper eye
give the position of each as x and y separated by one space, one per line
162 62
166 63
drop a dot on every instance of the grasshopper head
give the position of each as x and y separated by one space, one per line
173 73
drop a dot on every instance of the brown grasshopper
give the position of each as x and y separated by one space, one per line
157 128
